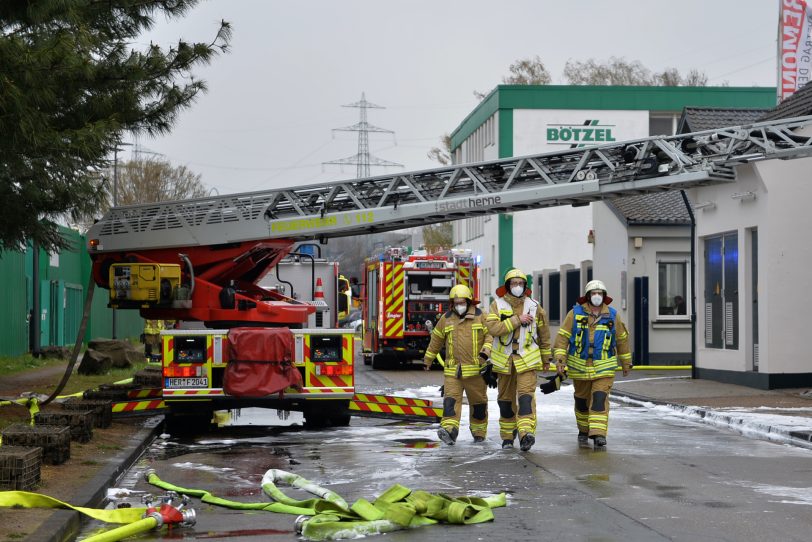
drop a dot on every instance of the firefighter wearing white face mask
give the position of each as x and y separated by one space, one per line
590 342
521 346
467 345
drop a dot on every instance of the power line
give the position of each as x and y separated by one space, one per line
363 159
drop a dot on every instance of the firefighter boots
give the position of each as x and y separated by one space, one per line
509 443
583 440
445 436
479 439
600 442
527 442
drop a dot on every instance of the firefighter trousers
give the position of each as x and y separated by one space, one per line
592 405
517 403
476 391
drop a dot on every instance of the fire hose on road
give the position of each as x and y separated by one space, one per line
326 517
135 520
329 517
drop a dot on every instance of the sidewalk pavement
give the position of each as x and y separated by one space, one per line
64 525
783 415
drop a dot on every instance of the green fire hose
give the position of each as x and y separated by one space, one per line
329 517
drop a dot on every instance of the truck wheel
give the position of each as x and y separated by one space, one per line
315 417
186 421
380 361
340 414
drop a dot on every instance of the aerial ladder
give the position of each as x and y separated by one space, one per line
206 256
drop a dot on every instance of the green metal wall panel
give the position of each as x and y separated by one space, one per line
13 304
74 302
62 296
44 313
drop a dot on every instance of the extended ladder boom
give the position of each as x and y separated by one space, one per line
353 207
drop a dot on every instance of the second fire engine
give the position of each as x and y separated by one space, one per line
404 294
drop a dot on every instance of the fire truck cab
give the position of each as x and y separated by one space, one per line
404 294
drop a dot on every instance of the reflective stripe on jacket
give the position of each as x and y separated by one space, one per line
592 350
532 342
464 339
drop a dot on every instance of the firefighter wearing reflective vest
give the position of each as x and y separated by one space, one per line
467 344
589 344
152 338
521 347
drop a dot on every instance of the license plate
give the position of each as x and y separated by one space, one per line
187 382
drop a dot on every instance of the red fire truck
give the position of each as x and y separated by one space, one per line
404 294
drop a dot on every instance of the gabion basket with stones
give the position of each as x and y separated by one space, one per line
103 410
110 392
19 468
149 377
79 421
53 439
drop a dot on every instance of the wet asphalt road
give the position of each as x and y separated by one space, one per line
661 478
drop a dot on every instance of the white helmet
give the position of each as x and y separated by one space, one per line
594 285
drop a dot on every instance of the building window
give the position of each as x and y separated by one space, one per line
722 291
673 290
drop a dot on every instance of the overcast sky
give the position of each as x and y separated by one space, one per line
267 119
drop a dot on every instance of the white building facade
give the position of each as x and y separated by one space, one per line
753 260
554 245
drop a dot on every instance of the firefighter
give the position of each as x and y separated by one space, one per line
152 338
467 344
589 343
521 347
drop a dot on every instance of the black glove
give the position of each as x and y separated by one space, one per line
487 374
553 383
442 390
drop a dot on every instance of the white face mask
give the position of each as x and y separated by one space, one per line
597 300
517 291
461 309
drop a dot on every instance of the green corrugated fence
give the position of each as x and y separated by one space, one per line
62 284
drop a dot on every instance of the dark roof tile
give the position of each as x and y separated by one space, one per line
797 105
698 119
656 209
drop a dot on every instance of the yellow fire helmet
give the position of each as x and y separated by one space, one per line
515 274
461 291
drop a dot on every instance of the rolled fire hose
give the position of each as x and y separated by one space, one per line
330 518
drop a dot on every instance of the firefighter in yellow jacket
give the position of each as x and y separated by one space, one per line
152 339
521 347
589 344
467 344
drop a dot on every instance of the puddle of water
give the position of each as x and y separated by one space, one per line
417 443
240 532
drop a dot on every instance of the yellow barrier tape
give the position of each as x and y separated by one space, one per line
659 368
26 499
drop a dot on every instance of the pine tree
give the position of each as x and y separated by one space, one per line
72 83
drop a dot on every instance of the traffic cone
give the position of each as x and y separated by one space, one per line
319 295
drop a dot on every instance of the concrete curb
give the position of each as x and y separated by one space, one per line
802 439
64 525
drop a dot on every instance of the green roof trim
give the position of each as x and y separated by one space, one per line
511 97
